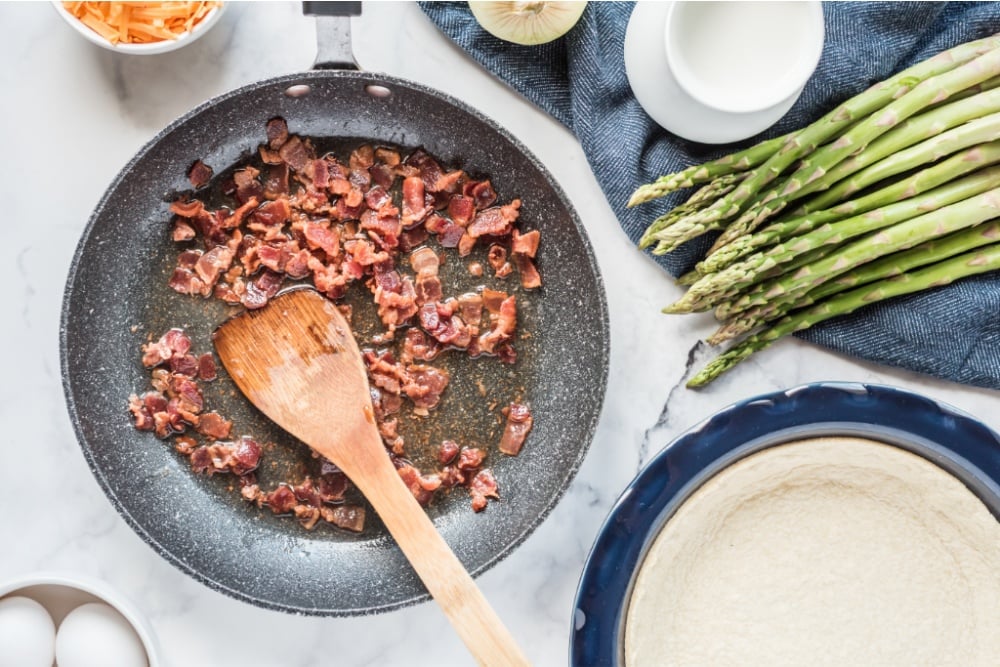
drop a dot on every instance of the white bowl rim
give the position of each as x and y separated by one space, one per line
98 588
790 85
163 46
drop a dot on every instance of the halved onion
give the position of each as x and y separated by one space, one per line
527 23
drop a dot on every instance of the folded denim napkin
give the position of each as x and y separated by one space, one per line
952 332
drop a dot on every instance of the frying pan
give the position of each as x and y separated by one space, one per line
117 297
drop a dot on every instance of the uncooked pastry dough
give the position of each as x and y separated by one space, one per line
832 551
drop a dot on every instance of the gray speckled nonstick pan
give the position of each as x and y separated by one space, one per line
117 296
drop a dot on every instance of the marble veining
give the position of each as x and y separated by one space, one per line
75 114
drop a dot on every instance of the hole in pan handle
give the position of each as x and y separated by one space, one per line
333 33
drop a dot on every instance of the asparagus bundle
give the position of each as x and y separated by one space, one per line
895 190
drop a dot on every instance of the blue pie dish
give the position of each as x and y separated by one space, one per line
948 437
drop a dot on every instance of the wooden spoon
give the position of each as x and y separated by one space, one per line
298 362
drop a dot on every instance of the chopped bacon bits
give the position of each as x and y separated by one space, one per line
369 219
519 423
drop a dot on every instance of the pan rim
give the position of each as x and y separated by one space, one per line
371 78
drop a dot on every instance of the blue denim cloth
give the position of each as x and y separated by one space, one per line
952 332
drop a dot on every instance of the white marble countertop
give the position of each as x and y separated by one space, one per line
70 106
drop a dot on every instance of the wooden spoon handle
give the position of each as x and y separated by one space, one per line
446 578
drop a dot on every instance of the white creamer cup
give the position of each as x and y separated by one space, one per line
803 21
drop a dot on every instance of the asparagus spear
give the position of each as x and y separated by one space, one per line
706 292
913 130
699 199
820 162
886 267
972 133
901 236
931 86
703 173
942 273
931 177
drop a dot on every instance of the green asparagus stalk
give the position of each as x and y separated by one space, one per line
931 87
704 173
972 133
924 180
821 161
886 267
701 198
901 236
916 129
705 293
942 273
728 308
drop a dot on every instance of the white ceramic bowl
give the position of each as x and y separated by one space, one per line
62 592
164 46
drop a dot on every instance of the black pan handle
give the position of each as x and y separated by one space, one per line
333 33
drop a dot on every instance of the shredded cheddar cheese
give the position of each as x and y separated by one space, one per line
140 22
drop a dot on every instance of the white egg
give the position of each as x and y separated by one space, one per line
95 635
27 634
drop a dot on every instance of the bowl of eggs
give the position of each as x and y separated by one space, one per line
68 620
141 28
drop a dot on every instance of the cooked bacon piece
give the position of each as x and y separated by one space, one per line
387 156
426 264
297 265
384 229
504 323
246 456
377 197
185 282
414 207
318 171
206 367
362 157
346 211
418 347
307 515
185 444
530 278
234 219
247 185
211 265
439 321
173 343
495 221
425 386
296 153
465 245
428 168
348 517
321 237
199 174
384 372
185 364
421 487
268 156
214 426
519 423
412 238
261 289
182 231
332 486
281 500
450 183
276 180
447 452
525 244
187 209
270 213
470 459
483 486
272 258
482 193
395 296
382 176
201 460
142 417
277 133
475 269
470 307
307 493
361 180
461 209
